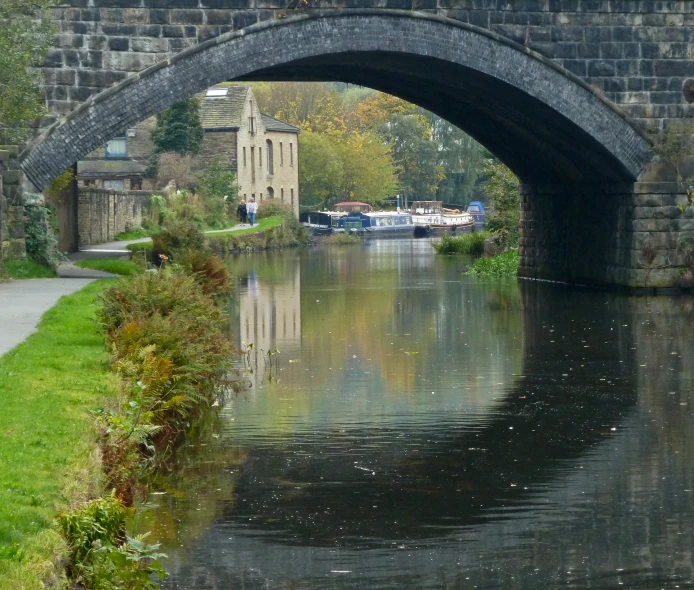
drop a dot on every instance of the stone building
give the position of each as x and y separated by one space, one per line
121 163
260 149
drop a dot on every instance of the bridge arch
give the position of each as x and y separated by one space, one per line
547 125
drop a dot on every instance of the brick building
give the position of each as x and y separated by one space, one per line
263 151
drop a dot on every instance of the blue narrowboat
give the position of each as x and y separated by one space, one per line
476 209
381 224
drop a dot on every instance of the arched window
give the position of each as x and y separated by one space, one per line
270 163
270 192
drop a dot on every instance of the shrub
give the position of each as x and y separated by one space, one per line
176 237
41 240
472 244
210 272
274 208
102 557
219 192
505 264
179 168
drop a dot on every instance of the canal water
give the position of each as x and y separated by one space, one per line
422 429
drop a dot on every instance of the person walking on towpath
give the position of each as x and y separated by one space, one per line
241 211
252 209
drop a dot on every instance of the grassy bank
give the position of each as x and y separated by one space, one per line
222 241
113 265
48 384
25 269
471 244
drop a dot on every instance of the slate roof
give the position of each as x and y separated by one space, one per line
224 112
272 124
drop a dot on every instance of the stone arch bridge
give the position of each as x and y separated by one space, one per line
563 91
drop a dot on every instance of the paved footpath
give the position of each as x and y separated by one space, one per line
22 303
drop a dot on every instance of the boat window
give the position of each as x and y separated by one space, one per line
473 209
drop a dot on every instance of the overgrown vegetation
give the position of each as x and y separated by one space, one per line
504 264
676 146
503 192
41 240
26 37
471 244
102 557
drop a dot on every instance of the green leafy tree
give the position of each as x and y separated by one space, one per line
178 129
414 155
25 40
321 171
219 191
460 157
503 191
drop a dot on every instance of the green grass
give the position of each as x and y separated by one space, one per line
136 233
26 269
112 265
503 265
261 226
472 244
48 384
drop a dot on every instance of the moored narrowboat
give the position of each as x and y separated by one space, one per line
476 210
381 224
430 217
321 222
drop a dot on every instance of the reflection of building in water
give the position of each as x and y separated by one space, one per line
270 314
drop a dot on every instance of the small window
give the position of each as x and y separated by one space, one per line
260 157
282 191
117 148
270 193
292 190
244 155
217 92
261 196
281 155
291 155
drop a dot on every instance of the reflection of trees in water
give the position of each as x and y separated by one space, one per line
448 475
606 472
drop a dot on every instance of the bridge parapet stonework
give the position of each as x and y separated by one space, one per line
12 236
638 53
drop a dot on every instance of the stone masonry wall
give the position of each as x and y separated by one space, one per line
103 214
637 52
633 237
12 236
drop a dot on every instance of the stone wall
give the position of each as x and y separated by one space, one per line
12 236
103 214
632 236
638 52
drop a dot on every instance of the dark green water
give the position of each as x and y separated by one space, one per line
423 429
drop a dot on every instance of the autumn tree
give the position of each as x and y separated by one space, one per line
26 35
369 173
321 172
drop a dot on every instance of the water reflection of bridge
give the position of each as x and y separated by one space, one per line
578 477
